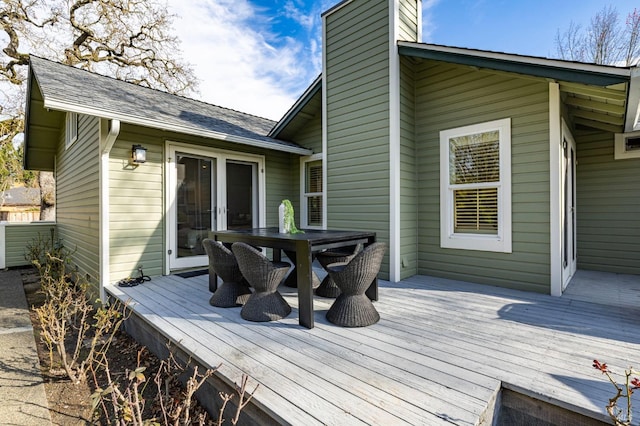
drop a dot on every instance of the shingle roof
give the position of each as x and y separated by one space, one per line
71 89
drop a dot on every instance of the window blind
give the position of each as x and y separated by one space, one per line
475 159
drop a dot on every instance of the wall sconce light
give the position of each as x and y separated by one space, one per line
138 154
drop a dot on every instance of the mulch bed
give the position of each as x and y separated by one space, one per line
70 404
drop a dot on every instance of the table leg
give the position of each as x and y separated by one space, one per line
277 255
372 291
305 284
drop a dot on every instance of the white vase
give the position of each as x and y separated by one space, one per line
281 227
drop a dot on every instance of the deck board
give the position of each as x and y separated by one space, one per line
439 354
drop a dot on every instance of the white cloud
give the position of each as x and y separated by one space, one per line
231 46
428 23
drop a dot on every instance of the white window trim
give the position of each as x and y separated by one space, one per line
71 134
620 152
495 243
304 214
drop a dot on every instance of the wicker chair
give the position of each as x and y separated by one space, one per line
234 289
353 308
266 303
292 278
328 287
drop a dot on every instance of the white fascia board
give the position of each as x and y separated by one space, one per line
61 105
633 102
532 60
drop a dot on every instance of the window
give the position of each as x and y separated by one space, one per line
475 193
627 145
312 196
71 134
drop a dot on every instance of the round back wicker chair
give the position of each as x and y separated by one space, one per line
328 287
265 303
234 290
352 308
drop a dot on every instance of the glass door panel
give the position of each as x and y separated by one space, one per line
241 195
195 203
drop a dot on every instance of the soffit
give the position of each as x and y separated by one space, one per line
601 108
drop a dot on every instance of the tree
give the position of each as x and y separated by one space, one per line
605 41
11 172
126 39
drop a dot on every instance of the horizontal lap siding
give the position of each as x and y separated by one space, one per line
18 237
309 136
408 175
357 84
449 96
283 177
137 196
607 205
77 197
408 20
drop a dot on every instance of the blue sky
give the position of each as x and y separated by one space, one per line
258 56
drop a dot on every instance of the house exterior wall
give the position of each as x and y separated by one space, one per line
309 136
17 238
450 96
356 80
77 196
408 20
607 206
408 173
137 208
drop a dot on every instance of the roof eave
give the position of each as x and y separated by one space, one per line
597 75
61 105
304 99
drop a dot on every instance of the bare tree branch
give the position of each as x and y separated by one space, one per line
604 41
126 39
632 34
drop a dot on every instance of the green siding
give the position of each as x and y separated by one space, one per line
357 87
449 96
77 200
408 174
282 177
607 206
309 136
18 236
137 208
408 20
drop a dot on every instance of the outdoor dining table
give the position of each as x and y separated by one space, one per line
305 245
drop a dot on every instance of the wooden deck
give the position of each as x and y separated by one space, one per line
439 355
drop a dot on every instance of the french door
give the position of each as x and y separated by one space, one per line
569 240
209 190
